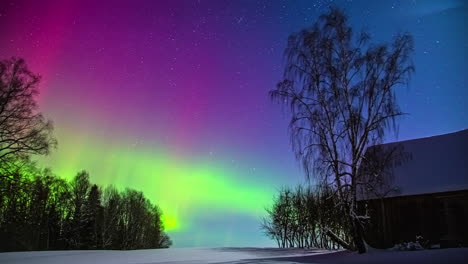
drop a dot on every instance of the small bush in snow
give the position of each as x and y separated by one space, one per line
410 246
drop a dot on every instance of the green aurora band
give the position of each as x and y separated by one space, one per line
178 186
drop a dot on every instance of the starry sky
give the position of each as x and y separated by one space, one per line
171 97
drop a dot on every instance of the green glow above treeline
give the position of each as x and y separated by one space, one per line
179 186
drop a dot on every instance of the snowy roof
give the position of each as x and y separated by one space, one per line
435 164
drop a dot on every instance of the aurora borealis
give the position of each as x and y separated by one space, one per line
171 98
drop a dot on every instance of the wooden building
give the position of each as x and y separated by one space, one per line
425 193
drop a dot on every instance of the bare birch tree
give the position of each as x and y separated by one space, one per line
340 90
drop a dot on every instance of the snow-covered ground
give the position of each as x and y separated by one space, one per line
172 255
235 256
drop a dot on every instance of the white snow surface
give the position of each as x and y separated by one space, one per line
149 256
235 256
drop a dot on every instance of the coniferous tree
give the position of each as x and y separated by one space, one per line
79 190
92 219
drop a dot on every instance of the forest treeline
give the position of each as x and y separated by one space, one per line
304 217
39 211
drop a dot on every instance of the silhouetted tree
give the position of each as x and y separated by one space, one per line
38 212
59 211
112 202
341 94
23 130
93 217
79 193
164 241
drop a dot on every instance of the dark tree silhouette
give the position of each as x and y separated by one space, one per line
341 94
80 186
112 202
23 130
93 219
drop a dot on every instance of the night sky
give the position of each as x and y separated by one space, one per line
171 98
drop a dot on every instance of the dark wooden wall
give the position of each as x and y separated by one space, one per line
438 217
